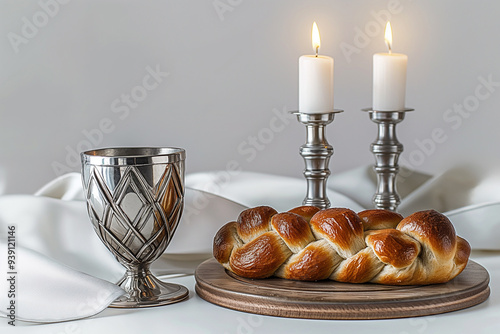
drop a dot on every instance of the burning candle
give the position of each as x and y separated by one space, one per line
315 79
389 77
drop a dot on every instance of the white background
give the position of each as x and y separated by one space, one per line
232 65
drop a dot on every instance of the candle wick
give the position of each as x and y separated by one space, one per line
317 50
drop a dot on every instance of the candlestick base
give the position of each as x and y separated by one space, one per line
316 153
386 149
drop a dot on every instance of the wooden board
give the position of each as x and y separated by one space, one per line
333 300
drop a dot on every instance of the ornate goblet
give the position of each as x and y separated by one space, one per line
135 198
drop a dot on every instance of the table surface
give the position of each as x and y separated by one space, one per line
195 315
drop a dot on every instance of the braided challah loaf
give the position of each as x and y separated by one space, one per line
310 244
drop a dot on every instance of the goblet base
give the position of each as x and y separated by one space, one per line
145 290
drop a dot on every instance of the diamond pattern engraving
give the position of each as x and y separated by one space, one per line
136 214
96 200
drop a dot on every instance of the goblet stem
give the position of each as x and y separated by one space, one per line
145 290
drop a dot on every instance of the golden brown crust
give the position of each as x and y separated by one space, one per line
393 247
293 229
463 253
255 221
359 268
433 230
340 245
261 257
306 211
316 262
378 219
224 241
341 227
411 275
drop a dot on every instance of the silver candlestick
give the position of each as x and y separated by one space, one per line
386 149
316 153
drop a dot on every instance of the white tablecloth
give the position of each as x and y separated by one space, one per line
198 316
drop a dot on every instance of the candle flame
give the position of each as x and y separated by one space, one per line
388 36
316 41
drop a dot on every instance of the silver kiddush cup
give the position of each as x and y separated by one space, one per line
135 198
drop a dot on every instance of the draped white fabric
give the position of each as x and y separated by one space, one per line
64 270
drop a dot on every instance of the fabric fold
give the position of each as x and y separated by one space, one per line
65 271
46 291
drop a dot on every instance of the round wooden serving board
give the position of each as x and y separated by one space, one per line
333 300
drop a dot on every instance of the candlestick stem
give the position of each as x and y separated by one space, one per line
386 150
316 153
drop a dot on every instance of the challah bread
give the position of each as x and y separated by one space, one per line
310 244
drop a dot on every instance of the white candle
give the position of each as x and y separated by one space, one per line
315 80
389 77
